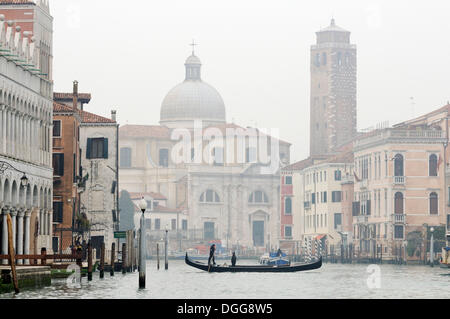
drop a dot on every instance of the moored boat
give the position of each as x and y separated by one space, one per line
297 267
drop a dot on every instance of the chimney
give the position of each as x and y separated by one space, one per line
75 95
114 115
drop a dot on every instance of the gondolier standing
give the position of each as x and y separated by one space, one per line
233 260
212 250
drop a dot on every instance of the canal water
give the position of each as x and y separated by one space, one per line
333 281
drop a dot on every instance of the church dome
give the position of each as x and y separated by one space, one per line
193 99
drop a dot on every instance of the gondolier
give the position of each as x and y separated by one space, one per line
212 250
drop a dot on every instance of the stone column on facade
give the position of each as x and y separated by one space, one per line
27 236
41 216
5 212
20 216
14 223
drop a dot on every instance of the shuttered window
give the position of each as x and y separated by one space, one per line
58 164
97 148
57 212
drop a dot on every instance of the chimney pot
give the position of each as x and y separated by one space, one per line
114 115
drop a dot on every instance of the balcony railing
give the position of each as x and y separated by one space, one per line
399 180
362 219
399 218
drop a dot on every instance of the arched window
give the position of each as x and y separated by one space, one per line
317 60
288 206
399 203
125 157
209 196
433 165
258 197
339 58
398 165
324 58
434 204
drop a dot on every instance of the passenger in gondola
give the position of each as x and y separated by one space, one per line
279 253
212 250
233 260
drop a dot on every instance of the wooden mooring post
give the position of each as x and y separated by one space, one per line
102 261
12 255
89 261
113 258
157 256
124 258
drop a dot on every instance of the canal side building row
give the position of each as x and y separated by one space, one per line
380 191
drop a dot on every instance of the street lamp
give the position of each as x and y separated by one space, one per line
142 256
432 247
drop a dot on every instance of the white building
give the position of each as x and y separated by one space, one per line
99 160
227 190
26 107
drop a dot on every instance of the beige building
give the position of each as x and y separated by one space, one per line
318 197
399 190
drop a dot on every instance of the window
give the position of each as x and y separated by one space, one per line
433 204
209 231
55 244
174 224
288 231
337 220
398 165
157 224
399 203
433 165
288 180
337 175
250 155
325 194
209 196
164 157
324 58
57 212
57 128
398 232
125 157
218 156
317 60
258 197
313 198
336 197
58 164
184 224
288 206
339 58
148 224
97 148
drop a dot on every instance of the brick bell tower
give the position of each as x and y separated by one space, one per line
333 90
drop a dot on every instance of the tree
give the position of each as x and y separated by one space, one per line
126 207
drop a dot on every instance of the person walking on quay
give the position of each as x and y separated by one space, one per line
233 260
212 250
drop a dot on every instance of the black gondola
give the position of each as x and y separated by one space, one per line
255 268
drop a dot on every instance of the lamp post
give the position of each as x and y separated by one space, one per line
166 249
142 254
432 247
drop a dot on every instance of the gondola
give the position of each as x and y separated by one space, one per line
255 268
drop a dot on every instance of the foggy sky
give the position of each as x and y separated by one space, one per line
256 53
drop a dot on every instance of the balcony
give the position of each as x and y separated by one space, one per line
362 219
399 180
398 218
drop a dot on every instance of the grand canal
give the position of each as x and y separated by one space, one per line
332 281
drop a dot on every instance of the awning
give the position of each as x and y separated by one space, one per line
320 237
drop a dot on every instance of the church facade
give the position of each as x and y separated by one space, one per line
224 177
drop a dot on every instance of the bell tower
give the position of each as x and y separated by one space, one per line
333 111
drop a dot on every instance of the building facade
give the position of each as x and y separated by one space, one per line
99 161
399 191
26 88
227 192
333 111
